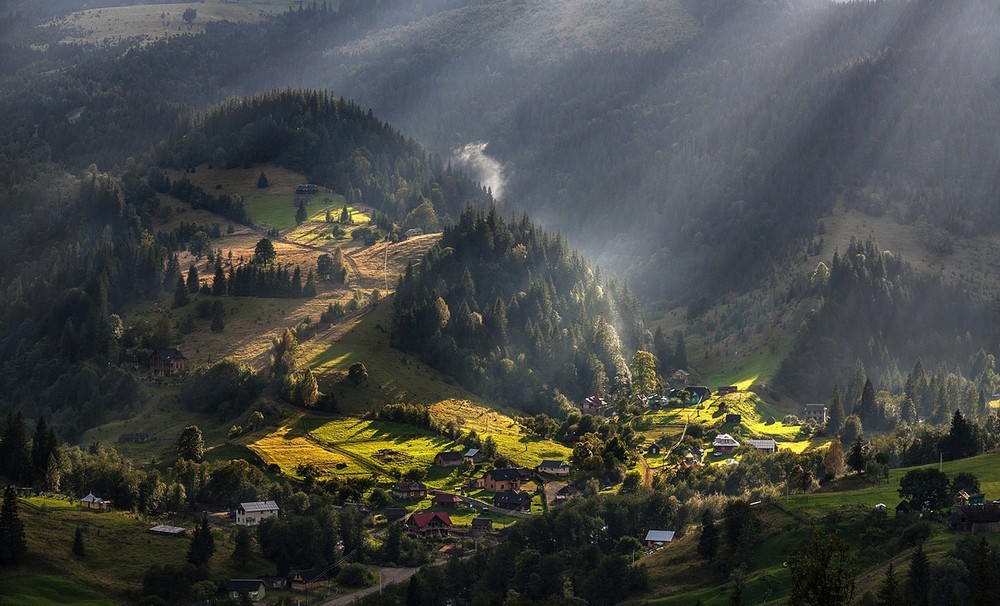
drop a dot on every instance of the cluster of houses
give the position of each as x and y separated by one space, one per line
255 590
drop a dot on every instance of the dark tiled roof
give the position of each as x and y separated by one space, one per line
244 585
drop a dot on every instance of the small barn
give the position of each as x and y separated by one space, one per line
170 531
95 503
976 519
765 446
656 538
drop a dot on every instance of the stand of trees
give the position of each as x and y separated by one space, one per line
513 313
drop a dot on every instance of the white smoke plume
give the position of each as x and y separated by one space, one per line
488 171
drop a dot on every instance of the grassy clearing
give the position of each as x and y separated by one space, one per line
49 590
154 21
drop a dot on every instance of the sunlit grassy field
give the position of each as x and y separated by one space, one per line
154 21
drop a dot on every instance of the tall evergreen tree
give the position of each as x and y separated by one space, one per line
680 352
961 440
300 214
15 456
983 575
856 458
242 546
193 283
919 576
12 540
79 550
219 281
867 407
708 542
888 593
202 544
42 447
181 296
835 414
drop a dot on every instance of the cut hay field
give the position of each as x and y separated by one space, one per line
150 22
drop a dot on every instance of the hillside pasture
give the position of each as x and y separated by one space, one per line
149 22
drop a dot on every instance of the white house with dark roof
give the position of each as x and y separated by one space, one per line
555 468
252 513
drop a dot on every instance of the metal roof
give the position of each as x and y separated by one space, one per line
259 506
660 536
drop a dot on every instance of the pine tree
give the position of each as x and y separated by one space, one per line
919 575
202 544
835 416
680 353
219 281
262 181
78 548
888 593
218 316
300 214
708 543
15 456
856 458
12 540
181 297
867 405
345 215
41 449
242 546
192 280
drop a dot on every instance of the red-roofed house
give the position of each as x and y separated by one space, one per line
429 524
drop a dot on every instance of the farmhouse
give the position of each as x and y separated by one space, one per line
307 579
725 443
964 498
656 538
594 405
555 468
251 514
95 503
904 509
498 480
653 450
513 500
815 413
167 361
429 524
254 589
448 459
680 378
446 499
409 491
765 446
976 519
482 524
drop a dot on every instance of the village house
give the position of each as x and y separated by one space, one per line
653 450
409 491
594 405
95 503
964 498
167 361
976 519
251 514
905 509
555 468
474 456
448 459
429 524
254 589
725 443
658 538
394 514
307 579
499 480
680 378
482 524
446 499
815 413
275 582
765 446
512 500
565 493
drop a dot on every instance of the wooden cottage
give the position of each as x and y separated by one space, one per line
409 491
512 500
976 519
254 589
307 579
429 524
448 459
725 443
167 361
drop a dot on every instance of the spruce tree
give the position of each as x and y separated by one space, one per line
888 593
181 297
919 575
680 353
300 214
242 546
856 458
835 415
15 456
78 548
708 543
262 181
202 544
219 281
192 280
12 540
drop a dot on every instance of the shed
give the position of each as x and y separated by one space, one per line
448 459
658 537
482 524
170 531
976 519
766 446
393 514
